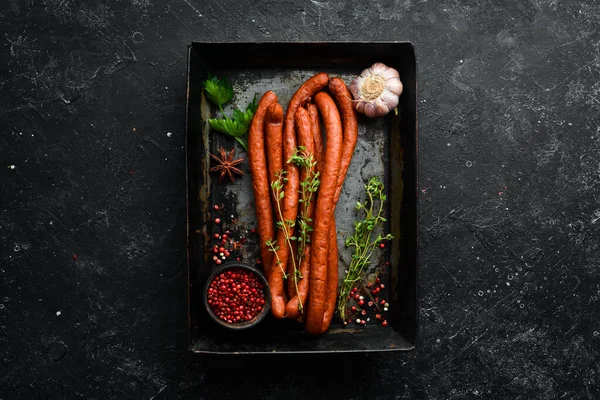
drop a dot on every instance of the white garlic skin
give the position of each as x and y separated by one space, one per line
387 100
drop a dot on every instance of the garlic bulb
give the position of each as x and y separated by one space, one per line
377 90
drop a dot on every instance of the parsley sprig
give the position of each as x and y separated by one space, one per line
220 92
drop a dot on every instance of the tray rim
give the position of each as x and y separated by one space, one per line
418 335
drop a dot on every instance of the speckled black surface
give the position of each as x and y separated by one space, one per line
510 211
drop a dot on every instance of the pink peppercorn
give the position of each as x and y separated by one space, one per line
236 295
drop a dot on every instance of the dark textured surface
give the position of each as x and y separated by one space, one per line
510 212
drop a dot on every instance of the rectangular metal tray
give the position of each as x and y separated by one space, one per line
387 147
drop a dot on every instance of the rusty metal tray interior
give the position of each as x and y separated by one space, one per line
387 147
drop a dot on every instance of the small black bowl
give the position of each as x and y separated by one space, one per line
266 293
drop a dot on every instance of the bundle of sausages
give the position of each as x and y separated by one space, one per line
272 141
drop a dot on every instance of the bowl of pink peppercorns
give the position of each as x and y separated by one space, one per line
237 296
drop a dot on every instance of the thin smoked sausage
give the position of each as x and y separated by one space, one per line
342 96
298 287
324 214
260 181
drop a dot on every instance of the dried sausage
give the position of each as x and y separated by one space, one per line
342 96
260 181
324 214
298 287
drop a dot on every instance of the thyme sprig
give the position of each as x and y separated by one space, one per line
361 240
285 225
308 190
272 245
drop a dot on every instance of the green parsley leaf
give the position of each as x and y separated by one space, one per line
227 126
237 126
218 91
253 106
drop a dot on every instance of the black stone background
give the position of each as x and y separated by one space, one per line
509 96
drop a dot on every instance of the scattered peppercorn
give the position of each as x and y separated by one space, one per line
367 305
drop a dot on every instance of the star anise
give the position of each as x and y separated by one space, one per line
227 165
